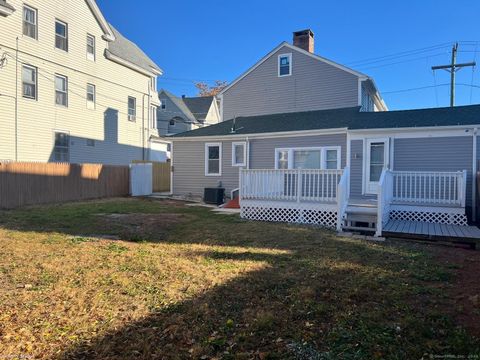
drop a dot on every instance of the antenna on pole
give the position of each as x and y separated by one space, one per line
452 69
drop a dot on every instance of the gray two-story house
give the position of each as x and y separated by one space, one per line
180 114
292 78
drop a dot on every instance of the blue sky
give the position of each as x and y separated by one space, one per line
208 40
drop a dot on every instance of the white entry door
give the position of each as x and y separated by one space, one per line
376 160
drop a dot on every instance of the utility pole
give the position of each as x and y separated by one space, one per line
453 68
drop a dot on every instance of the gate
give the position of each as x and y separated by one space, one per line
161 175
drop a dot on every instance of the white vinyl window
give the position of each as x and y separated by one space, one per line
308 158
61 35
163 103
132 108
61 151
239 154
29 82
213 159
61 90
284 65
90 47
153 116
30 22
91 96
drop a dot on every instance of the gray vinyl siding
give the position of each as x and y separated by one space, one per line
262 151
164 117
356 168
189 160
435 154
189 169
313 85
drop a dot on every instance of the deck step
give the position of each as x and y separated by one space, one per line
366 218
361 210
358 228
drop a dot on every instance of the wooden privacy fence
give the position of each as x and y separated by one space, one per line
161 175
23 183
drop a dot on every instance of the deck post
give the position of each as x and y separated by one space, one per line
299 184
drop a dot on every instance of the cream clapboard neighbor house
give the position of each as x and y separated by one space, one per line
72 88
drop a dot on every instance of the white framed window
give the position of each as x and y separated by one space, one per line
239 154
153 83
153 117
284 65
30 28
308 158
163 104
91 96
213 159
90 47
61 150
61 90
29 82
61 35
132 108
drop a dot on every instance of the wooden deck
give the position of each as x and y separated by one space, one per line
432 231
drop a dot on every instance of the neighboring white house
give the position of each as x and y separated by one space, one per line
293 78
72 88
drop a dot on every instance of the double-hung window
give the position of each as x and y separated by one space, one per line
61 35
284 65
29 82
61 151
91 96
61 90
90 47
153 117
163 103
132 108
308 158
30 22
213 159
239 154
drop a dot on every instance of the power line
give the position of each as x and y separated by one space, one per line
413 89
400 62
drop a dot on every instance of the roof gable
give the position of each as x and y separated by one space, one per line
292 48
199 106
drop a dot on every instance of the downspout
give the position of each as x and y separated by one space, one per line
143 127
16 100
474 176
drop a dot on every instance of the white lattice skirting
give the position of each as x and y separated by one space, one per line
440 217
298 213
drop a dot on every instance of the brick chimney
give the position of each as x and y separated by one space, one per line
304 40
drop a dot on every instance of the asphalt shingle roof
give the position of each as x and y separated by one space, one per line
350 118
128 51
199 106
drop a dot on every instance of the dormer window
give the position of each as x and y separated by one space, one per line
284 65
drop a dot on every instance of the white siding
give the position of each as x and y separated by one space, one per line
117 140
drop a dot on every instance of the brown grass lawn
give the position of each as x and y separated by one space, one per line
127 279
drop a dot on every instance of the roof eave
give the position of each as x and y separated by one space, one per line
130 65
6 11
108 33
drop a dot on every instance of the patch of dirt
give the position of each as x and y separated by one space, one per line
466 285
139 227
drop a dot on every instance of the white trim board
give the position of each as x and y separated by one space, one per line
108 33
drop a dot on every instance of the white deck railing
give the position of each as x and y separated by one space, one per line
385 197
343 195
302 185
435 188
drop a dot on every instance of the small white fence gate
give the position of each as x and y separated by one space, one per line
141 183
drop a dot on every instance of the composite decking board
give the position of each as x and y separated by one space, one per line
432 230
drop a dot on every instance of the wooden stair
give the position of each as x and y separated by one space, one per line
360 216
